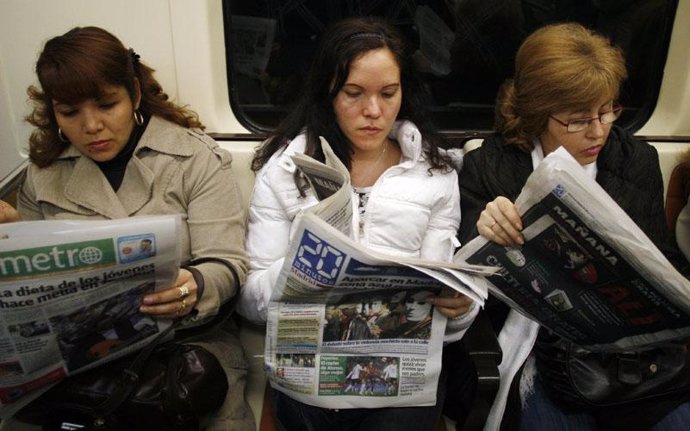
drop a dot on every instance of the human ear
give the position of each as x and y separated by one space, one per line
137 93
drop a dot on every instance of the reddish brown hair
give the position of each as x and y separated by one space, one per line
75 67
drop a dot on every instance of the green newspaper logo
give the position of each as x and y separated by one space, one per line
56 258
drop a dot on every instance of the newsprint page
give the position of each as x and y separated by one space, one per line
70 293
586 271
348 327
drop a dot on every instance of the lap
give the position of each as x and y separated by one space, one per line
541 413
293 415
235 413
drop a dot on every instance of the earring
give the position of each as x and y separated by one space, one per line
61 136
138 118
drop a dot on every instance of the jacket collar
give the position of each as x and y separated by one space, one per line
404 132
158 136
88 187
409 138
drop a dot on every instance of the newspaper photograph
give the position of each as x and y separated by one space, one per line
586 270
347 326
70 293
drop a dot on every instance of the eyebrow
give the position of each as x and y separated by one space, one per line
582 113
387 86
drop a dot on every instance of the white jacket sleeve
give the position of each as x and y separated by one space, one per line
274 205
440 242
267 241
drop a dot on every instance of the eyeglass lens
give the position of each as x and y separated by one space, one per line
605 118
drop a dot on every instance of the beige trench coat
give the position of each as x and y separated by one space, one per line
174 170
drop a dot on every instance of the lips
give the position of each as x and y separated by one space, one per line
371 131
99 145
592 151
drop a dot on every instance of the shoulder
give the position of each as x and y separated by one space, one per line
169 138
497 165
276 181
279 170
628 156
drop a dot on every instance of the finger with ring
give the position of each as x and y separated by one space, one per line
182 306
184 291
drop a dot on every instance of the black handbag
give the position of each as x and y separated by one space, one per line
166 386
578 378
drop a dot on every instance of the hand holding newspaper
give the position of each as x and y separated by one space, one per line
70 293
586 270
348 327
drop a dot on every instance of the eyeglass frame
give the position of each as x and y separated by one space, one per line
617 110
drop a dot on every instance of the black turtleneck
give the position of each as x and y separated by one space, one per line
114 169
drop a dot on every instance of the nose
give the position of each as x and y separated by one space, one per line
92 122
372 108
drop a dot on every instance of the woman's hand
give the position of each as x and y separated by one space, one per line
176 301
7 213
451 303
500 222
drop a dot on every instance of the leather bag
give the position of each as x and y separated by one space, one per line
166 386
579 378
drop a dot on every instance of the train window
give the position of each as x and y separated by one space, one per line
464 49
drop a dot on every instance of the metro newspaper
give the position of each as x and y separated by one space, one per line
70 293
586 270
348 327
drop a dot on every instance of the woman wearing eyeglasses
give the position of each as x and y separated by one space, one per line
563 93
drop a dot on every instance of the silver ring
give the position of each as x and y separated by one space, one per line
184 291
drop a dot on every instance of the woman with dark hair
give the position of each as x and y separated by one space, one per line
109 144
362 96
564 93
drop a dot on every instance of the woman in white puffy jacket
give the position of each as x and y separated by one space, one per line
362 97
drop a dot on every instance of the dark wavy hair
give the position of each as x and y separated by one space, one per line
560 67
75 67
341 44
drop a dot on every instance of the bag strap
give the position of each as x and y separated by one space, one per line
129 379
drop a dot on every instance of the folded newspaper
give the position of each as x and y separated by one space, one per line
586 270
70 293
348 327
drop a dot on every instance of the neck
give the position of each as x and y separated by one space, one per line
370 156
363 174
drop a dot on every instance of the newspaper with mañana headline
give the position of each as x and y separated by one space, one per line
348 327
70 293
586 270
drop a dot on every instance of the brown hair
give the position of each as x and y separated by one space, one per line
75 67
560 67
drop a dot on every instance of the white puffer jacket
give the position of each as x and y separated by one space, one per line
409 213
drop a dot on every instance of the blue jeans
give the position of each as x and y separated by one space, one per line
540 413
292 415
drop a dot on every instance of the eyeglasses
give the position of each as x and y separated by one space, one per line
580 124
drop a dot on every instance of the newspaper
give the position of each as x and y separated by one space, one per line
252 43
70 293
348 327
586 270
